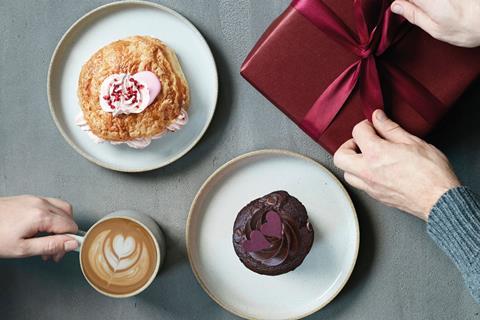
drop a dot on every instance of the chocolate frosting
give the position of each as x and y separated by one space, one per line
279 248
284 253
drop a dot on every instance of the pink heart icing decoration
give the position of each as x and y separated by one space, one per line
152 82
257 242
273 226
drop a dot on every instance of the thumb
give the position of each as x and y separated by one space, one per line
49 245
389 129
413 14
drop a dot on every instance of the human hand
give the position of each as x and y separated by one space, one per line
454 21
23 217
395 167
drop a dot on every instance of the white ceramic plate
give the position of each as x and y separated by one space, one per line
116 21
293 295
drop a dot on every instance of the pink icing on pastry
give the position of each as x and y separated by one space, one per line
123 93
152 82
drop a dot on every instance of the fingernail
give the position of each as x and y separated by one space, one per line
380 115
70 245
396 8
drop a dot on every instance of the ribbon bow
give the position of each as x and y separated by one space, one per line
373 38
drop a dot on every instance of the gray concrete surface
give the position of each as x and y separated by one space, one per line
400 273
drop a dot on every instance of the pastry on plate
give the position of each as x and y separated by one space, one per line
272 234
132 91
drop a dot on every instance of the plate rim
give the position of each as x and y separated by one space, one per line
252 154
56 53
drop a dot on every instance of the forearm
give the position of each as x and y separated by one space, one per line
454 224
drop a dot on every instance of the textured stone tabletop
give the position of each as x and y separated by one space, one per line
400 273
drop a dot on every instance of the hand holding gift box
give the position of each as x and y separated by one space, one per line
326 78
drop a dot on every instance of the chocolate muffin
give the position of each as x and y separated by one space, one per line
272 234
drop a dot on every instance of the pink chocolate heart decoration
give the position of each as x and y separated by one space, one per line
257 242
152 82
273 226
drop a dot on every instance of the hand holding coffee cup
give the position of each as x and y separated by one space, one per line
120 255
23 217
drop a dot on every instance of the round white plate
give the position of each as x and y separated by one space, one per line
293 295
113 22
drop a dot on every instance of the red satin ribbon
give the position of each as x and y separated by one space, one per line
377 29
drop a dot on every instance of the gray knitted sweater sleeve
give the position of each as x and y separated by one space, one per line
454 224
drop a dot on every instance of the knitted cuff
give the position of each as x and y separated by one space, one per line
454 224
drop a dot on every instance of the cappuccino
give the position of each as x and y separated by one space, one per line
119 256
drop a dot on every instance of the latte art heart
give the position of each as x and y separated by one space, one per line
122 253
118 256
123 246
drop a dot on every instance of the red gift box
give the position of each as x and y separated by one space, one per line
327 78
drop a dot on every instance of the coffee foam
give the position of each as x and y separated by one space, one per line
118 256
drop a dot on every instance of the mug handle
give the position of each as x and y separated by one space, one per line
80 236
